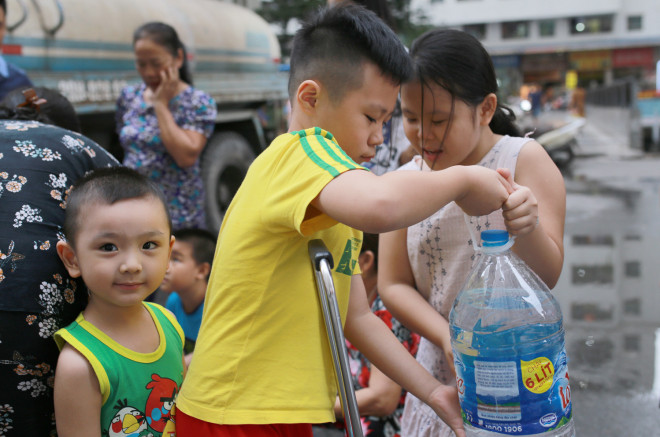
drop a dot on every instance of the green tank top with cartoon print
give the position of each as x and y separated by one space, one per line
138 389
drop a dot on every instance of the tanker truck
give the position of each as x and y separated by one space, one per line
83 48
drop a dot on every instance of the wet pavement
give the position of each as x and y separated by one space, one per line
609 289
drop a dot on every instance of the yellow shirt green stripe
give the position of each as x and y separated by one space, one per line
334 151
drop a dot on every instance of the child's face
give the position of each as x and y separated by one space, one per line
444 143
357 120
183 271
122 250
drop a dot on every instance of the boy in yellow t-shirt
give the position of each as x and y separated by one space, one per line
262 364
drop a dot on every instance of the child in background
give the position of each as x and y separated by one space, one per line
186 280
262 363
452 117
121 361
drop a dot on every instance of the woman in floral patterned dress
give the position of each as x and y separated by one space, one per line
164 123
38 164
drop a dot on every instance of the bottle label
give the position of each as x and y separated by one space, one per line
515 395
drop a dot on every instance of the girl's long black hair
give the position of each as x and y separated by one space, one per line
456 61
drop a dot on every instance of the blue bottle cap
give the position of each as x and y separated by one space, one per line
494 237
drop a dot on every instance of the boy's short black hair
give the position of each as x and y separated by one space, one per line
202 242
334 44
108 186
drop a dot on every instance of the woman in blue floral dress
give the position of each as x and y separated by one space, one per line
164 123
38 165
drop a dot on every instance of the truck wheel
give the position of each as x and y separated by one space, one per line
225 162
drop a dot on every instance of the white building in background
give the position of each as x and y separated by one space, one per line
540 41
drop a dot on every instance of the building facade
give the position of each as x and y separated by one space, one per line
559 42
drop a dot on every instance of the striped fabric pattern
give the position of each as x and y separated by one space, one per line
324 151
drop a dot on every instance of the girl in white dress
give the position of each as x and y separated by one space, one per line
452 117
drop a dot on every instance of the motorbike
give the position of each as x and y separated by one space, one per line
561 141
555 130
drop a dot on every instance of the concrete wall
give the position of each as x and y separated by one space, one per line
620 124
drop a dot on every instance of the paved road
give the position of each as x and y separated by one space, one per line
609 289
593 142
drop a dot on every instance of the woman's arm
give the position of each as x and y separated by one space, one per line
396 286
542 194
77 396
183 145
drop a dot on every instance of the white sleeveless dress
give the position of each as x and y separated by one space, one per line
441 255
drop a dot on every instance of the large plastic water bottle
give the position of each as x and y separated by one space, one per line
508 344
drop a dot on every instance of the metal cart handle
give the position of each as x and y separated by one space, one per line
322 263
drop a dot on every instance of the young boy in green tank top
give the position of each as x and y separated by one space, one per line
121 362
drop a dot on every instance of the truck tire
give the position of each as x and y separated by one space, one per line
225 162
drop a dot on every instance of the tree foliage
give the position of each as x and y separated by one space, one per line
281 12
407 22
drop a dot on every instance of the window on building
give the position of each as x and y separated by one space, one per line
590 312
476 30
634 22
593 353
592 274
591 24
627 383
633 269
593 240
515 29
632 307
547 27
632 343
